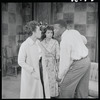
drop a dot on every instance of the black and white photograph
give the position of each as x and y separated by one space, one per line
49 50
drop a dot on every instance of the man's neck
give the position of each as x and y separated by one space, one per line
63 31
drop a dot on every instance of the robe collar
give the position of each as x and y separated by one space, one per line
30 41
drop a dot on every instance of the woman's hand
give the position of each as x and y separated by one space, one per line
58 80
35 75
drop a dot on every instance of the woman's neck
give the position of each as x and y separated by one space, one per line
33 38
48 39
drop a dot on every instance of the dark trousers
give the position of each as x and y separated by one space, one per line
76 81
41 76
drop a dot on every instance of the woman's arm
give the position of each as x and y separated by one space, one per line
21 60
57 51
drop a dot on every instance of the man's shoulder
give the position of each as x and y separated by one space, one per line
73 30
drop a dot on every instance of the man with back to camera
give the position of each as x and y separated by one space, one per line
74 65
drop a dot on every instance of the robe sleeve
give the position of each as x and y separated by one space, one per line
22 56
57 50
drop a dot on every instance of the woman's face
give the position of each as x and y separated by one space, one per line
49 34
38 32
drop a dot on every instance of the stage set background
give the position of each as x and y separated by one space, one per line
80 16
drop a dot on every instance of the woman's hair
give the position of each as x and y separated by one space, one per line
30 27
50 27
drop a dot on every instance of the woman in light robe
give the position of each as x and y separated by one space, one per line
28 59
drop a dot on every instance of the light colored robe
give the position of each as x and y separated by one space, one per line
28 58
